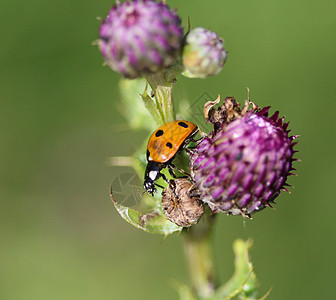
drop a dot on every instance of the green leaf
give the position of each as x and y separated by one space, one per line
134 108
243 283
154 222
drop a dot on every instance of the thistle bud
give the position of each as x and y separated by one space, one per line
140 37
242 166
204 54
181 203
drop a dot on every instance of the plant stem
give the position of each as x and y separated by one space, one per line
151 107
198 252
163 90
162 84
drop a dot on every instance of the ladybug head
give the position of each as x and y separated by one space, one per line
149 186
152 173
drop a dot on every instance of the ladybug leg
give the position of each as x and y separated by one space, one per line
203 134
171 171
164 177
189 151
160 186
171 183
180 170
172 186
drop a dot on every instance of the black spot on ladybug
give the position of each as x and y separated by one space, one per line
182 124
159 133
169 145
148 153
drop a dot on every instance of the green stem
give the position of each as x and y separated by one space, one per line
151 107
198 252
163 91
162 84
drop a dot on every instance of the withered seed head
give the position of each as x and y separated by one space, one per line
181 203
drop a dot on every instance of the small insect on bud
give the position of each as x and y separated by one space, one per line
181 203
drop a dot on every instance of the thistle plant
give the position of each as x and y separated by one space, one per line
241 167
140 37
238 168
203 53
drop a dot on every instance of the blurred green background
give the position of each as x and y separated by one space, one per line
61 237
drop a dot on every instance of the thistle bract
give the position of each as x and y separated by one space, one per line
241 167
204 54
140 37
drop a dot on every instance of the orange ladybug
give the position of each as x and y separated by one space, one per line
163 145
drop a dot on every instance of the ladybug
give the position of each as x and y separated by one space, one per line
163 145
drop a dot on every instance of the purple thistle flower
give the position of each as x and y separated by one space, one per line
242 166
140 37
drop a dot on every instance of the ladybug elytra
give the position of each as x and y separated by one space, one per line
163 145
